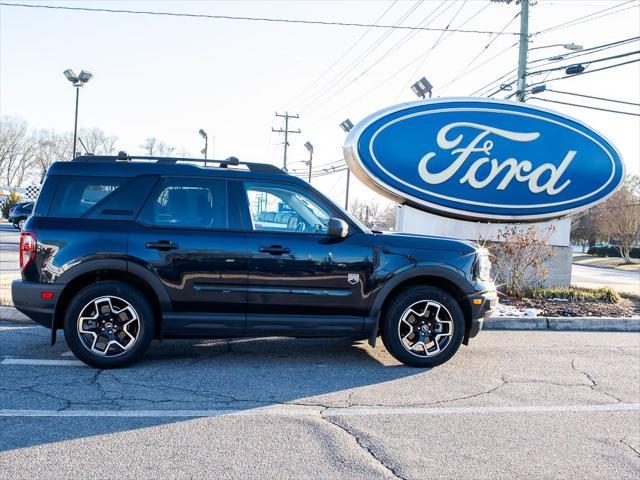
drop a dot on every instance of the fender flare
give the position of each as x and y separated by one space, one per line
119 265
439 271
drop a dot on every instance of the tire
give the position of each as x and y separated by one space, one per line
15 225
423 326
21 223
116 327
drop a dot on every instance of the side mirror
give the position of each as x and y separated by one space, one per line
337 228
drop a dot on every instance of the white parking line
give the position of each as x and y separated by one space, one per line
36 361
11 327
302 410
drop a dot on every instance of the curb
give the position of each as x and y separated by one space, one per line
588 324
585 324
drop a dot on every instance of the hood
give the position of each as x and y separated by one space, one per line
412 240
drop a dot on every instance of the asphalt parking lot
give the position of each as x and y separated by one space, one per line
512 405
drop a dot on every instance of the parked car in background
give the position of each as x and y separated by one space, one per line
121 250
19 213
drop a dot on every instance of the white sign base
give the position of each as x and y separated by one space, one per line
412 220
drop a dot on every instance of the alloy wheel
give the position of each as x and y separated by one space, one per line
426 328
108 326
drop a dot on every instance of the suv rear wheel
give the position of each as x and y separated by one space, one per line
108 325
423 326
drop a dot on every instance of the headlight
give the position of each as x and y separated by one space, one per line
483 265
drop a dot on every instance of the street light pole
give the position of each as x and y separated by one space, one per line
77 81
347 125
204 135
309 148
346 196
75 123
524 45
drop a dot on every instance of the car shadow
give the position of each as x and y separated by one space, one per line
212 375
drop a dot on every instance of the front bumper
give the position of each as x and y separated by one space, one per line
27 298
482 307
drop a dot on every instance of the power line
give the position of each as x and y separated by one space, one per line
249 19
586 18
587 62
385 80
440 39
593 97
573 55
480 53
344 54
586 106
563 67
588 71
336 79
317 103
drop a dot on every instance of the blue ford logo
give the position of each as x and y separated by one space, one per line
484 159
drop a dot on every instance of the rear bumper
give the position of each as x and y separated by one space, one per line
482 307
27 298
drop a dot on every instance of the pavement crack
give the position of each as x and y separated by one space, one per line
372 454
593 384
624 442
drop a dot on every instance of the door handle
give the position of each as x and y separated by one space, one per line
162 245
275 250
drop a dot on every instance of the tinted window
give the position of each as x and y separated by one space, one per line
124 203
277 208
76 195
187 202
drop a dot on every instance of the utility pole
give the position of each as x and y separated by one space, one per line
286 132
346 195
524 46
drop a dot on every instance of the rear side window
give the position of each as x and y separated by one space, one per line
187 203
77 195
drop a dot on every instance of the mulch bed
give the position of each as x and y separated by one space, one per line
577 308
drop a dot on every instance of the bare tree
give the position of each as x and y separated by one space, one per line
373 214
155 147
586 229
619 216
17 150
97 142
50 147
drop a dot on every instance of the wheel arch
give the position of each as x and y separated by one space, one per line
440 277
103 270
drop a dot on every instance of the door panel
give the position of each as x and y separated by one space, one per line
313 278
183 236
299 273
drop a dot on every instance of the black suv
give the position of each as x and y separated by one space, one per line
120 250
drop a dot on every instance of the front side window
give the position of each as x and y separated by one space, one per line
278 208
188 203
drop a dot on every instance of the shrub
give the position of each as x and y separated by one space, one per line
519 258
10 201
604 294
611 251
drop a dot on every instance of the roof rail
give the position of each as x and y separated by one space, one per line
231 161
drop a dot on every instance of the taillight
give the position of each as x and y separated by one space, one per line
28 246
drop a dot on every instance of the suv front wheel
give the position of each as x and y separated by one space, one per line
108 325
423 326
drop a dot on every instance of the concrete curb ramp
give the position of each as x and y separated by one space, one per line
593 324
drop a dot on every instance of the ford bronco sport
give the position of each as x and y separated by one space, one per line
121 250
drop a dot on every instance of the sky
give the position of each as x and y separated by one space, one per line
168 77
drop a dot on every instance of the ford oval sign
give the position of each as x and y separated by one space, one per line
484 159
